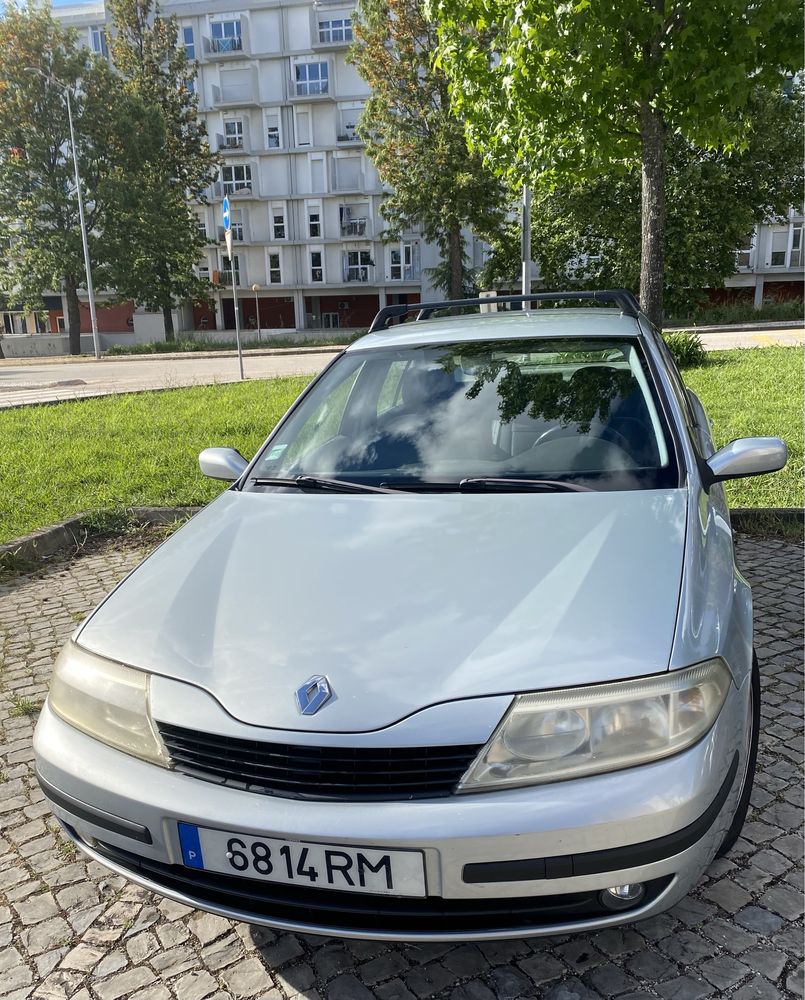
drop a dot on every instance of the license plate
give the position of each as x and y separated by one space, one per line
292 862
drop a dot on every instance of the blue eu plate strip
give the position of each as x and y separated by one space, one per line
191 846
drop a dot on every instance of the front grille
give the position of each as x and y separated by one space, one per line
355 911
296 771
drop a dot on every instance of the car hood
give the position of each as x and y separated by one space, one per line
401 601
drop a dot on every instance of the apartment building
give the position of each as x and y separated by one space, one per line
281 104
772 265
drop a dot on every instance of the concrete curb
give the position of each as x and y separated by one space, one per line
74 531
776 325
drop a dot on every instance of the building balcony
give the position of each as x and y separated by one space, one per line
355 227
309 90
224 278
236 95
232 144
234 190
240 233
234 46
363 274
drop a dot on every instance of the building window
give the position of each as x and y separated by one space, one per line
227 269
330 321
278 223
273 137
314 222
335 30
236 224
312 78
743 257
201 225
779 246
316 265
274 269
357 264
97 37
233 134
226 36
796 247
302 126
189 43
402 263
237 177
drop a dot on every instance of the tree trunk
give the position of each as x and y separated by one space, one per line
456 246
167 316
652 246
73 315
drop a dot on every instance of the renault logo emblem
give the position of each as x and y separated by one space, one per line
313 694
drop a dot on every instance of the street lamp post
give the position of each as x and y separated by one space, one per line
256 289
90 290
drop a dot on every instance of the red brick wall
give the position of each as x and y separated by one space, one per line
202 310
275 313
111 319
357 310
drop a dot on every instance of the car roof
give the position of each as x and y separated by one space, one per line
509 325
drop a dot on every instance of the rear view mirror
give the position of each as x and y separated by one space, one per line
747 457
222 463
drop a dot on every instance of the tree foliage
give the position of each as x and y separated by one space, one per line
162 233
588 235
416 140
559 94
39 217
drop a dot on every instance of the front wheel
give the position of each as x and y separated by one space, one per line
750 761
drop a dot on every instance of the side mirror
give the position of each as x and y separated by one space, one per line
747 457
222 463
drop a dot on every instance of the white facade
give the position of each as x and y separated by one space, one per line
772 263
280 103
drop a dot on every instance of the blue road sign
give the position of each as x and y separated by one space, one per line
227 221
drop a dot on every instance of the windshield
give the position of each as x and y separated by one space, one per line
580 411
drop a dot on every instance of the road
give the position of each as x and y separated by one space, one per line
45 380
71 929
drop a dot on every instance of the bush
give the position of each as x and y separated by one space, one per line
773 311
687 349
190 345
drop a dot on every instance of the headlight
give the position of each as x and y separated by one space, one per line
552 735
105 700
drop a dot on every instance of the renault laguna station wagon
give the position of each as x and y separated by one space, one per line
461 653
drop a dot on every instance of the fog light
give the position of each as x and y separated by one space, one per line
620 897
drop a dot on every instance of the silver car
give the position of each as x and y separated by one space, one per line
462 653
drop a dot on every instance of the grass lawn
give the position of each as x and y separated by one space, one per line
751 392
141 449
131 450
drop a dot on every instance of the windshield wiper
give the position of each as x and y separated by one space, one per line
318 483
538 485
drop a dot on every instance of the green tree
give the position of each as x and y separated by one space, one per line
588 235
558 94
38 201
416 140
163 231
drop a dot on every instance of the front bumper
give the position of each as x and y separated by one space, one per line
529 861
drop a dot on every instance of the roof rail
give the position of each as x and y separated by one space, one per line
617 296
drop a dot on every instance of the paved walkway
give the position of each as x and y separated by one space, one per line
44 380
70 929
37 382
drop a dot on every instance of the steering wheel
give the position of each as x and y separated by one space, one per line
606 434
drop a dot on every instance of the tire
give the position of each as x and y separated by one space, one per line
749 772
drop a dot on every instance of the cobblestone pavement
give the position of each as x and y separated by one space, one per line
69 929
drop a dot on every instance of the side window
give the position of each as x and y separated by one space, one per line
390 390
